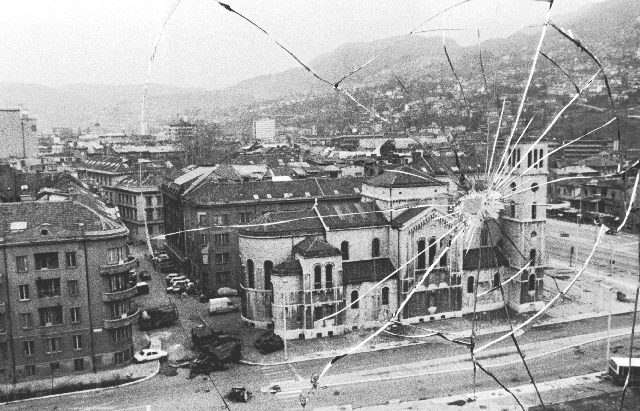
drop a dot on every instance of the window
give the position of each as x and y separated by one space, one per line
222 258
268 267
123 356
528 158
70 259
422 258
77 341
385 296
29 370
53 345
78 364
123 334
534 211
245 217
344 249
496 279
48 288
513 186
28 347
202 219
21 264
149 201
26 321
535 187
541 161
46 261
222 219
23 291
532 282
444 256
317 277
118 282
114 255
205 259
328 272
74 289
203 239
432 250
355 304
75 314
119 309
148 214
470 284
375 248
251 280
317 312
50 316
512 209
535 158
55 366
221 238
532 257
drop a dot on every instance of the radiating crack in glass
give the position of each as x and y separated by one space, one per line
473 208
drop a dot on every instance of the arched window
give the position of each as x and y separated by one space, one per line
328 273
317 277
532 257
512 209
344 248
528 158
496 279
534 187
534 211
532 282
251 274
375 248
541 162
268 266
470 284
422 258
443 258
432 250
518 156
354 297
385 295
535 158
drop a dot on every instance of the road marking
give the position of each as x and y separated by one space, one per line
283 395
295 372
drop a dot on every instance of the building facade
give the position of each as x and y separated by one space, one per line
331 268
264 130
66 301
18 134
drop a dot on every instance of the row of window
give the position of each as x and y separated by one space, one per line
531 283
45 261
222 238
355 304
205 220
268 267
78 365
49 316
48 288
423 253
51 345
317 276
220 258
534 210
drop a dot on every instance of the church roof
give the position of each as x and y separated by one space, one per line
288 267
373 270
405 176
305 222
351 215
315 247
483 258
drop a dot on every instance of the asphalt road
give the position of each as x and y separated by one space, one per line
178 392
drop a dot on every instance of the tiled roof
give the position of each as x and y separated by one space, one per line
288 267
483 258
149 182
106 164
315 247
412 211
210 192
375 269
350 215
404 176
305 222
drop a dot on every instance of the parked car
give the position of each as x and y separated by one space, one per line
564 234
162 258
150 354
170 277
178 286
167 268
156 317
227 292
268 343
142 288
221 305
239 394
144 275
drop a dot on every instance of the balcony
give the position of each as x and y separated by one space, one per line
119 295
121 322
121 267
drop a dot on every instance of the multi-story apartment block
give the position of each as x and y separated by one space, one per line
65 299
18 134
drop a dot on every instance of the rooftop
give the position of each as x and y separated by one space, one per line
315 247
373 270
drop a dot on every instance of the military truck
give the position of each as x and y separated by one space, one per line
215 346
156 317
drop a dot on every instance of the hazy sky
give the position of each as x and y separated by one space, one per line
110 41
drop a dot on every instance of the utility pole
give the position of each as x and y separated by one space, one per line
607 305
284 318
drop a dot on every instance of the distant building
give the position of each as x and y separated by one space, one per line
65 304
18 134
180 131
583 149
264 130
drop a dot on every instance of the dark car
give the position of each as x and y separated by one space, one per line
268 343
144 275
611 231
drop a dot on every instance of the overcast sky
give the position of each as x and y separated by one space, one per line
110 41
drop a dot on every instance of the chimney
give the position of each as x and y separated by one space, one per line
416 156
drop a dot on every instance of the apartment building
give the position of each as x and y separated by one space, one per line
65 300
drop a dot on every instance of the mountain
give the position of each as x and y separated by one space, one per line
603 26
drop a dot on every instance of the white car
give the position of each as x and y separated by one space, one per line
150 354
162 257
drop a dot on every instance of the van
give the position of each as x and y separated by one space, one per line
221 305
619 369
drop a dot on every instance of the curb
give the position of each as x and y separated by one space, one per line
382 348
126 384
